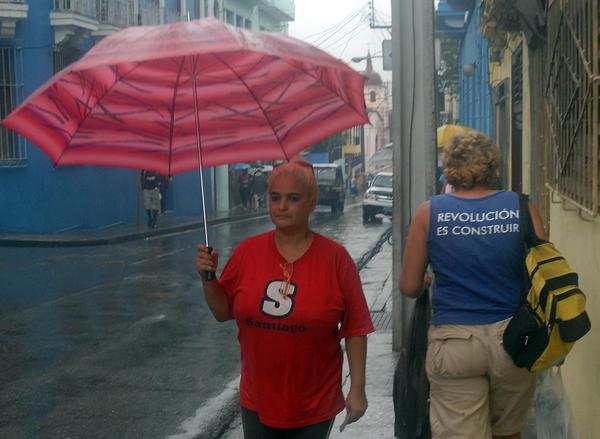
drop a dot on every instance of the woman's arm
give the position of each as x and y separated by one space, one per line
414 262
538 226
214 294
356 400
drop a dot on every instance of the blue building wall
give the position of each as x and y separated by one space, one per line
317 157
39 198
476 106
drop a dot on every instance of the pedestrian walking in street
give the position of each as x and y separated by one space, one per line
151 187
353 187
163 186
259 190
245 185
473 242
294 295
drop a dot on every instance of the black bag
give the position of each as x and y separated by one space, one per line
411 386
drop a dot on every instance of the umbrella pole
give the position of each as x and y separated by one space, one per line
210 275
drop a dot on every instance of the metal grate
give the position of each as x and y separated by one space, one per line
65 55
516 93
116 12
13 151
382 320
148 12
571 101
83 7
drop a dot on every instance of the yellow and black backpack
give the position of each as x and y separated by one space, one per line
552 316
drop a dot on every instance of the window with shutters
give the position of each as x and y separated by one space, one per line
13 152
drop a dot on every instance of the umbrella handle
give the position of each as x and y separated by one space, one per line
210 275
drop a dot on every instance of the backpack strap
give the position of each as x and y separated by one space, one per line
525 223
529 240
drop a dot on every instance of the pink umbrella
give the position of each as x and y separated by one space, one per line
188 95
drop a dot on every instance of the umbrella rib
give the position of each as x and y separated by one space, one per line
321 82
82 81
172 124
257 103
116 80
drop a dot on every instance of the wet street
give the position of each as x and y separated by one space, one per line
116 341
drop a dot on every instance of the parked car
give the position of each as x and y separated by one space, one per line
378 198
331 186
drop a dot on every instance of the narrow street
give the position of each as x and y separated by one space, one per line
117 339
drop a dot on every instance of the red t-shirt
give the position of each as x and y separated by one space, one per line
290 347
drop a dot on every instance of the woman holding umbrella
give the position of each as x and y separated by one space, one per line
294 295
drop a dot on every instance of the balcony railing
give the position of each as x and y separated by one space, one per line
82 7
282 9
148 16
148 12
172 15
116 12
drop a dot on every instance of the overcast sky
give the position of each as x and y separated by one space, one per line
341 27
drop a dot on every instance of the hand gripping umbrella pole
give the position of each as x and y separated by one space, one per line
210 275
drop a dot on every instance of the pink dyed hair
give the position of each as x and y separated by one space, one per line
304 173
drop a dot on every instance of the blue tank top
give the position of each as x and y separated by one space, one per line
476 252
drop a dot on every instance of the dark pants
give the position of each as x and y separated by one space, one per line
245 196
254 429
152 217
163 199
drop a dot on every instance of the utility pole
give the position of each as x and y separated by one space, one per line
413 133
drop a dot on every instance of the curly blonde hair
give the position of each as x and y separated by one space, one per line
471 159
304 173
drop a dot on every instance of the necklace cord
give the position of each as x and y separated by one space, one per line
287 274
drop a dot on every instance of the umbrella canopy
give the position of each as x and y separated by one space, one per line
148 97
445 133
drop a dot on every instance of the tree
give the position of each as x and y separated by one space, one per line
447 74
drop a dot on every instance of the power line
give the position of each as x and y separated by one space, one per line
339 28
348 41
350 16
373 12
335 43
323 36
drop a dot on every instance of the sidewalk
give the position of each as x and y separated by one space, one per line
167 223
378 421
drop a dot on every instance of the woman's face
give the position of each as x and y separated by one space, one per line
290 205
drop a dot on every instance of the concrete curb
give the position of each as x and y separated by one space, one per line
112 236
212 419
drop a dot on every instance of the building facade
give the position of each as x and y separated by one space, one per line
260 15
38 39
377 133
474 88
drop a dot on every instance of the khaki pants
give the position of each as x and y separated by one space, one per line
476 390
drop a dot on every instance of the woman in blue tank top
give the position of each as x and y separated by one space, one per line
472 241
